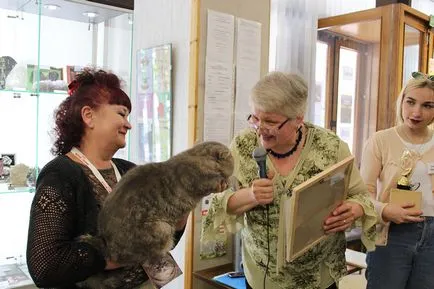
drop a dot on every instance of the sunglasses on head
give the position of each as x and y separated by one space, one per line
420 75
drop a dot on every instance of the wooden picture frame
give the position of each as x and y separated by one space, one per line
310 204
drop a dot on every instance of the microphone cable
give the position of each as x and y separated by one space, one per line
268 244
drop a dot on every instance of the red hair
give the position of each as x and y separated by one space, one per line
91 88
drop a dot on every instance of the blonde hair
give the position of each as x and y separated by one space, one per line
421 81
279 92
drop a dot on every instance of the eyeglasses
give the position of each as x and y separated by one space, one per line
420 75
268 128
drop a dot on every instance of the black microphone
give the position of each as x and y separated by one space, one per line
260 156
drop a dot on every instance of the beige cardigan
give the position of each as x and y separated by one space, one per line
380 170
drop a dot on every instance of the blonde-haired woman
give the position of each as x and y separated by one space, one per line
297 150
404 256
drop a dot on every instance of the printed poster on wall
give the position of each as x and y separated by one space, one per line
248 68
219 77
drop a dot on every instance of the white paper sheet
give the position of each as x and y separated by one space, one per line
218 102
248 68
219 77
220 37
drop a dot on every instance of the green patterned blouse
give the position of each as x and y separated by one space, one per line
323 264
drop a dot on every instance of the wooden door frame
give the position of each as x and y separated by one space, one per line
431 43
332 78
330 87
193 100
419 21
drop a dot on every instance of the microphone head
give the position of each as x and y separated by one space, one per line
259 154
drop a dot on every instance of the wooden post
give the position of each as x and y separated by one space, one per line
193 84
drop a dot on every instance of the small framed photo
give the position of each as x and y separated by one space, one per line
8 159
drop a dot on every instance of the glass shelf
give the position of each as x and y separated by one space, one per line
17 91
5 189
33 92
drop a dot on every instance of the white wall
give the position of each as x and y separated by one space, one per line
156 23
329 8
424 6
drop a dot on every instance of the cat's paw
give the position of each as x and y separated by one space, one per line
94 241
164 233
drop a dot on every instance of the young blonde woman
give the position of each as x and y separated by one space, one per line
404 255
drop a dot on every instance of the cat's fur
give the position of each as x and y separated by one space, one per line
137 220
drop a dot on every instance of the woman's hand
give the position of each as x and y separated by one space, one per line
260 193
401 214
181 223
343 217
262 190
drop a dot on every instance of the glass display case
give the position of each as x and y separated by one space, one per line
363 60
44 43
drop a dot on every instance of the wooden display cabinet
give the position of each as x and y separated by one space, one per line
363 60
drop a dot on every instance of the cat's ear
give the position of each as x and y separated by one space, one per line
223 155
196 142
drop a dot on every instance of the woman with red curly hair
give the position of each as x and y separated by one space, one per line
91 125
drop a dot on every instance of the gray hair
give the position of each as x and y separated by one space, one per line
279 92
413 83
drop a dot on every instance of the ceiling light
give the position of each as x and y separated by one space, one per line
51 6
90 14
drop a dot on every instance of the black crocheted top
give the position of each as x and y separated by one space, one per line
66 205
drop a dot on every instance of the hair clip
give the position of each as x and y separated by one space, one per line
72 87
420 75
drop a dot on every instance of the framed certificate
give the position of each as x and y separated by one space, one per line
310 204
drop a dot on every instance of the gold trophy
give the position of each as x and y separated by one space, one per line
403 193
406 164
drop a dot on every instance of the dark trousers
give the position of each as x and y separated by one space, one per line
406 261
333 286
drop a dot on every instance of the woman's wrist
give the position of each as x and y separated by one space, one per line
242 201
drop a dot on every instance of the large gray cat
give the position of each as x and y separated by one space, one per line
137 220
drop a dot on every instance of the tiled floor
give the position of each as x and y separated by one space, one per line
353 281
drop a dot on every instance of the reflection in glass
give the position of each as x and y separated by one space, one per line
154 104
411 52
346 95
319 106
19 45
